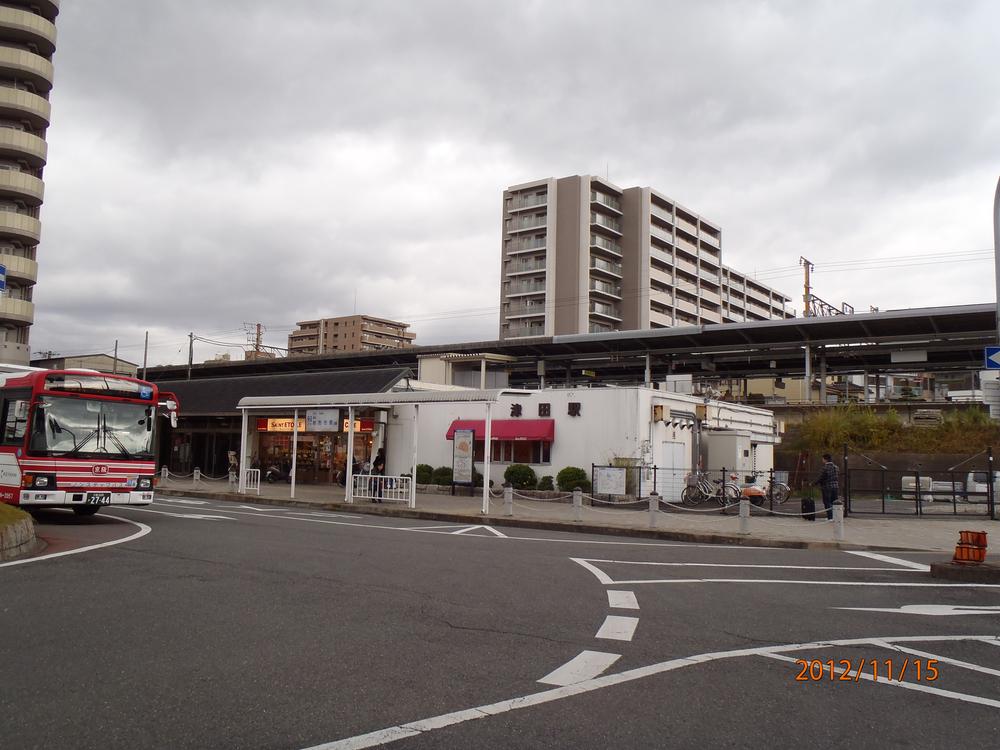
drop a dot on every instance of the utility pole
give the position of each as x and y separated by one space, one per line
114 366
996 249
807 289
257 339
145 353
190 353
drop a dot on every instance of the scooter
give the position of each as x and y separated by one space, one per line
274 474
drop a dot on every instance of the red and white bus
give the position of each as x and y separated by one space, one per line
78 439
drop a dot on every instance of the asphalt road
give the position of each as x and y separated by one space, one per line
216 625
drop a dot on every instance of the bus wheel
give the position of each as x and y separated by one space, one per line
86 510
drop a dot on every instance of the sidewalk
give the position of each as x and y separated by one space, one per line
705 525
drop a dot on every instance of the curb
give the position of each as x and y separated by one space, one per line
17 539
568 526
982 573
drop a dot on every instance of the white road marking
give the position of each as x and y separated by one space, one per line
737 565
622 600
907 685
891 560
618 628
944 659
196 516
934 610
143 530
584 666
607 580
251 507
412 729
180 502
328 514
490 529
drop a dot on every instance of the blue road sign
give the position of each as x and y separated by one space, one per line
991 356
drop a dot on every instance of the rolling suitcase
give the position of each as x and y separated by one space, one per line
809 509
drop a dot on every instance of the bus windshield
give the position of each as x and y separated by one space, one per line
88 428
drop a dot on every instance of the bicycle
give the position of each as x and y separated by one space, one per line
702 488
776 492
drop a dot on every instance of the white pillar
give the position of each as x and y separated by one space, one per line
822 377
295 447
808 378
482 374
349 483
242 488
486 458
838 520
648 377
654 507
508 500
413 470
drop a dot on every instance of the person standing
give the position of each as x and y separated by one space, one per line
829 484
378 468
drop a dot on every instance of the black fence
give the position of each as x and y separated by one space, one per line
960 491
624 485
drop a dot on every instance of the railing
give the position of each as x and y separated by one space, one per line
526 222
525 287
379 488
516 331
524 309
606 200
522 267
605 244
615 290
525 245
528 201
606 265
599 308
251 480
605 221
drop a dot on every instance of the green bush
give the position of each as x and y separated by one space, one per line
521 477
425 474
545 483
442 475
572 477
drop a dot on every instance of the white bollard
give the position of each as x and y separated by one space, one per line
838 520
508 500
164 474
578 505
232 481
197 476
744 515
654 508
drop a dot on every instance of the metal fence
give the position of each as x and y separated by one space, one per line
622 485
376 487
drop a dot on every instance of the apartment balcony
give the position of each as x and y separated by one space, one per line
18 145
24 270
661 213
687 286
598 327
13 353
710 296
683 264
715 242
661 318
606 245
518 248
607 289
17 104
608 201
381 330
661 276
28 28
16 311
606 266
522 267
686 306
526 223
712 277
27 66
662 233
609 312
608 222
525 309
684 243
523 202
521 331
516 288
26 229
686 225
21 186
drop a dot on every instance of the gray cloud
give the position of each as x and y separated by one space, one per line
215 163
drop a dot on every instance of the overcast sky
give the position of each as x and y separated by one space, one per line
239 161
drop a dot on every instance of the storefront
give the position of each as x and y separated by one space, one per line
320 454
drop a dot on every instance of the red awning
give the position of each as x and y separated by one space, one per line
507 429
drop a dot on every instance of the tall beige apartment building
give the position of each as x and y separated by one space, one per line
27 43
581 255
352 333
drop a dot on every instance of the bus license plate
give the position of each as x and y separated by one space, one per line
99 498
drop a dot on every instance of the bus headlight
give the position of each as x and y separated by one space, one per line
145 483
39 481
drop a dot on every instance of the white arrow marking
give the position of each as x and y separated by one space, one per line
262 510
584 666
198 516
945 659
994 358
481 528
182 502
935 610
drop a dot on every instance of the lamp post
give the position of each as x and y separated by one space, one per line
996 250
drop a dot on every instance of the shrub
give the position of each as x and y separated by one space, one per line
521 477
545 483
425 474
442 475
572 477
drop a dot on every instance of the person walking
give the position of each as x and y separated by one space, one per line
829 484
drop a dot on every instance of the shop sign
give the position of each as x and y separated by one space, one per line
360 425
322 420
461 459
609 480
279 425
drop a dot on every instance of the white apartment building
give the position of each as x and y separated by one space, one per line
581 255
